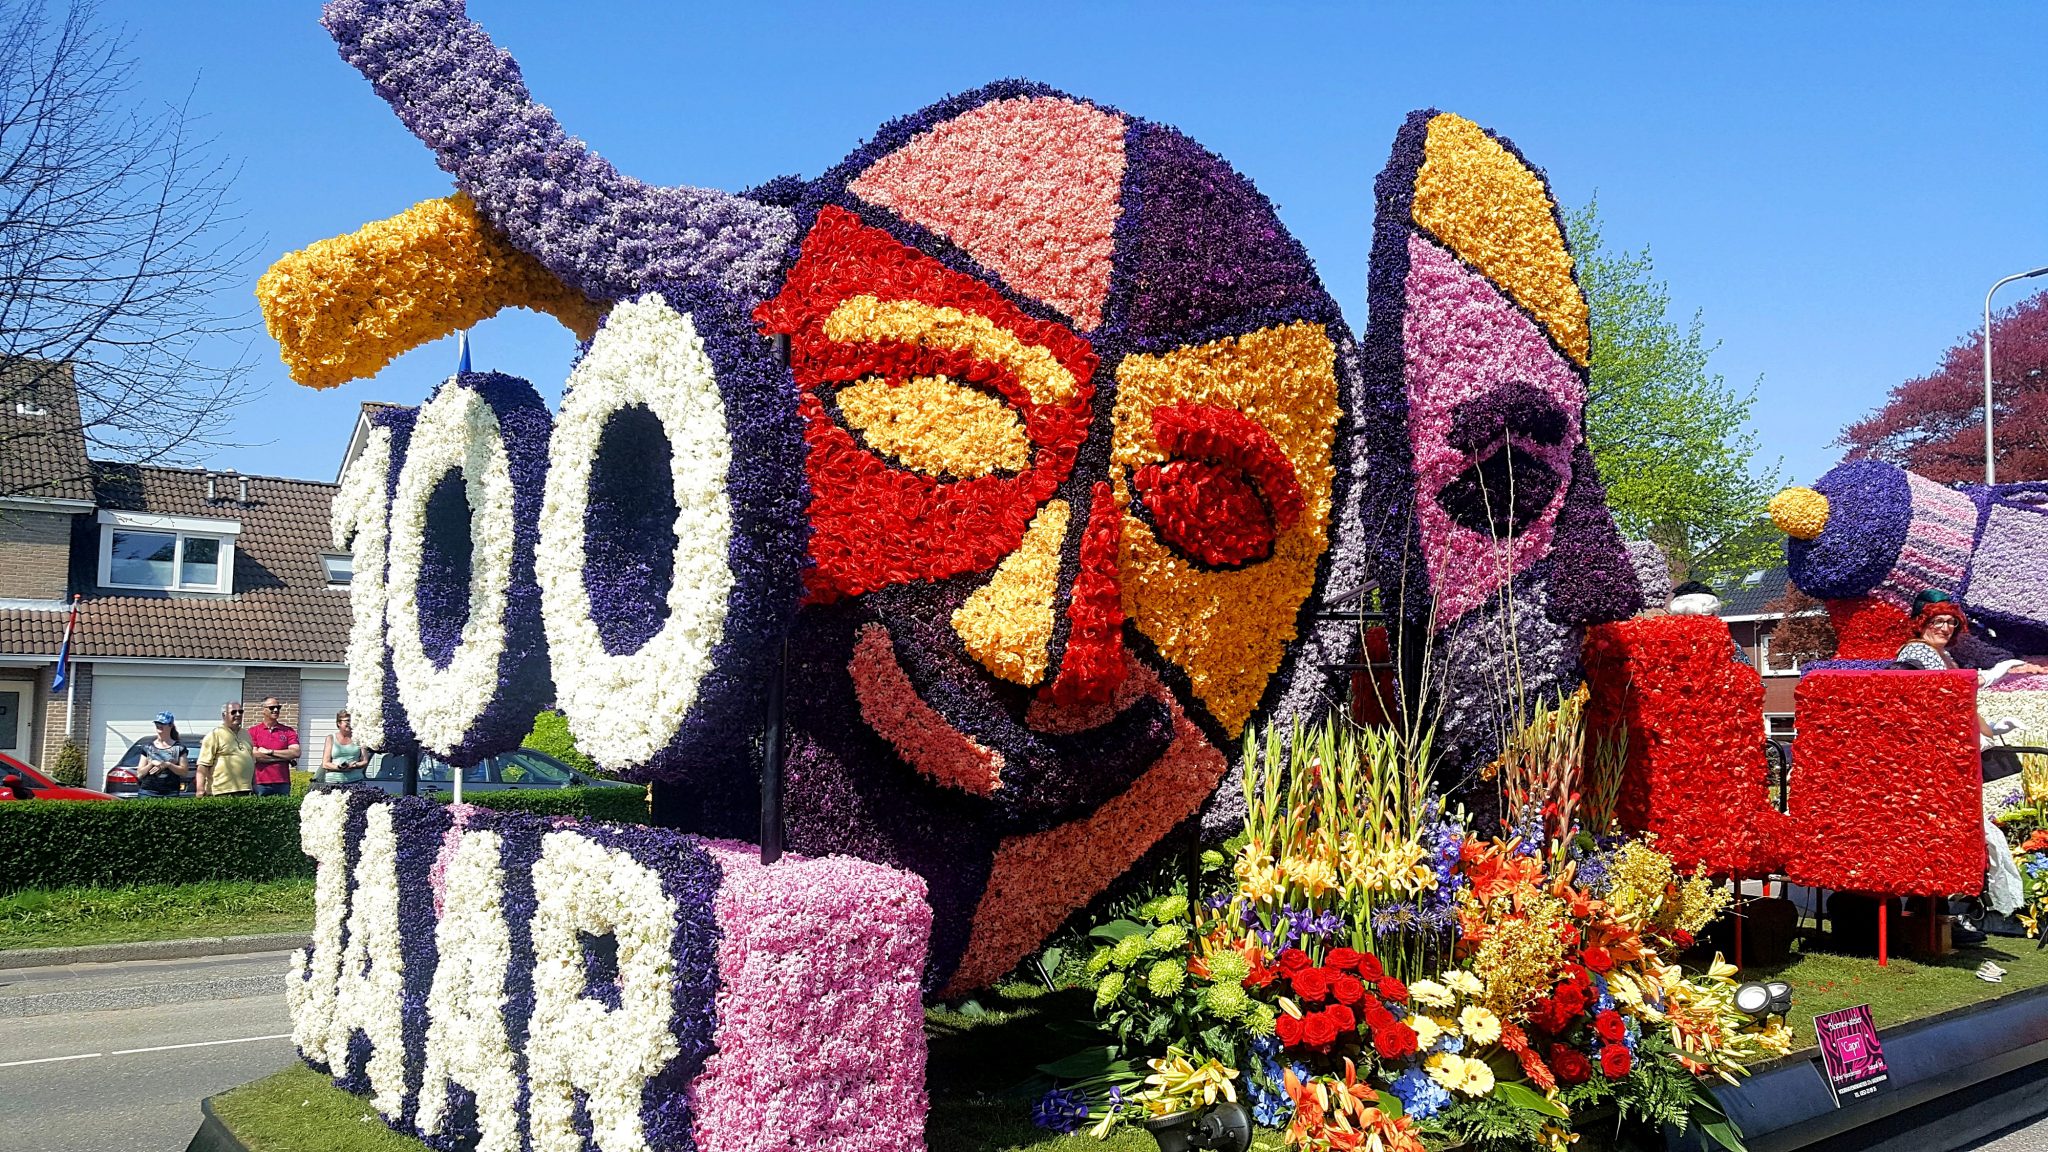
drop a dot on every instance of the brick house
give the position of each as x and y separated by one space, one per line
1745 606
194 588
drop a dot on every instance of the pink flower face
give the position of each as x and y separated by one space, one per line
1493 422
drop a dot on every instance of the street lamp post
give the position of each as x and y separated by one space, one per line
1990 468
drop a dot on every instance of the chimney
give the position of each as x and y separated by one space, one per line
241 489
211 496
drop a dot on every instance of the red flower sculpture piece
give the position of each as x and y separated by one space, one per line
1888 796
873 522
1693 718
1226 489
1093 668
1867 628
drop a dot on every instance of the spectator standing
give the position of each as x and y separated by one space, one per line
227 759
343 761
165 762
277 750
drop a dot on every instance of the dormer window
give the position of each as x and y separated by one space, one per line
340 566
167 553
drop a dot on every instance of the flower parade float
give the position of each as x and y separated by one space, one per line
1018 452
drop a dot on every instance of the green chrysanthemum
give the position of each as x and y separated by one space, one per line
1128 950
1261 1019
1099 961
1165 978
1229 968
1227 1000
1106 992
1171 906
1168 937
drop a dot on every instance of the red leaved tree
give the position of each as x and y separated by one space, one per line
1934 425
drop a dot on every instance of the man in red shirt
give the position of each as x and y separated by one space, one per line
277 750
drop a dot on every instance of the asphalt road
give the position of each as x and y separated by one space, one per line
98 1057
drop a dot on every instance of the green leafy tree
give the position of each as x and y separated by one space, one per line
551 735
1672 439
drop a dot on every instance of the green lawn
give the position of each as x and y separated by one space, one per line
299 1110
61 917
1904 989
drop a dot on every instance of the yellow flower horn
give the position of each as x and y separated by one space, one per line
1800 513
343 308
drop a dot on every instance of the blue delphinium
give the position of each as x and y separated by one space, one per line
1265 1088
1060 1110
1420 1096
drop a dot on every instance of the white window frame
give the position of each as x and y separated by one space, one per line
327 567
183 528
1788 716
1763 653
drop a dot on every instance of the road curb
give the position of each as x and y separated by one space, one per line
154 950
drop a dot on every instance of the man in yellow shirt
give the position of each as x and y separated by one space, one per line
227 757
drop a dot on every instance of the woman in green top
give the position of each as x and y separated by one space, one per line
343 761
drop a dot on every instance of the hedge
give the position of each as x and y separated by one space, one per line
76 843
73 843
621 805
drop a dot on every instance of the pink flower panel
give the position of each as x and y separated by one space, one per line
1031 188
820 1041
1482 379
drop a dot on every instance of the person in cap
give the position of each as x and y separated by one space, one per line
166 763
1693 598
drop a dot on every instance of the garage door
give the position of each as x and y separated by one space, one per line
319 699
127 697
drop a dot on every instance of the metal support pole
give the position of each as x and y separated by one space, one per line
771 763
412 773
1990 466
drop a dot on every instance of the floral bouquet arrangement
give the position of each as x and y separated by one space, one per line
1380 977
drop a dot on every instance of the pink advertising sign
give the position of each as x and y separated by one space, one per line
1850 1055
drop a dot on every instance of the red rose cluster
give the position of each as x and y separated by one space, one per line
1888 795
1348 988
1693 715
1563 1013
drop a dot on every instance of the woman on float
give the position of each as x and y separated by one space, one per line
1937 622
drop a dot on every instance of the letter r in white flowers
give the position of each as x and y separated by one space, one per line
371 992
573 1041
467 1041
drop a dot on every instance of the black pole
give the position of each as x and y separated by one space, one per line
412 773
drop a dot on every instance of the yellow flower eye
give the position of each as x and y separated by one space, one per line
936 426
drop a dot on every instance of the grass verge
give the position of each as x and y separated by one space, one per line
63 917
299 1110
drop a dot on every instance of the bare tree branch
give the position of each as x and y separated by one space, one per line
115 234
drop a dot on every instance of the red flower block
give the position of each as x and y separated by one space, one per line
1867 628
1693 718
1887 795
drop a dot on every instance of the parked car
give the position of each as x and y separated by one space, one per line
124 778
18 781
522 768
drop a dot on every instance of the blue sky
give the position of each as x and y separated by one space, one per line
1833 186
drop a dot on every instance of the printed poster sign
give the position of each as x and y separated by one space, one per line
1851 1058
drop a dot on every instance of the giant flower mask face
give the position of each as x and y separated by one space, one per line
1044 499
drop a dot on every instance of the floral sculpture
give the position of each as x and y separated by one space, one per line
1888 789
500 982
1691 711
1043 498
1476 370
1868 537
